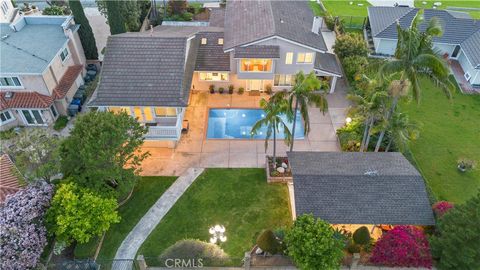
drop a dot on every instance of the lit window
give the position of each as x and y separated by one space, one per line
256 65
137 111
289 58
64 54
204 41
283 80
147 113
119 109
165 111
10 82
220 41
213 76
305 58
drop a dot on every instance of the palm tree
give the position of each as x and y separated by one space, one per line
415 57
306 90
276 106
401 132
371 107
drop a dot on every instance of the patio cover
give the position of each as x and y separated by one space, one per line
359 188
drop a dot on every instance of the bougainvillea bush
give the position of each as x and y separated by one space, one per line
441 207
22 233
404 246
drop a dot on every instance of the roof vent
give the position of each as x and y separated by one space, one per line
371 173
9 95
4 37
281 20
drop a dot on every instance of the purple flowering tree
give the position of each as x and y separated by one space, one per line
22 233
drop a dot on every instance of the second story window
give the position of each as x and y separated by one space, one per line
213 76
204 41
305 58
256 65
10 82
220 41
64 54
289 58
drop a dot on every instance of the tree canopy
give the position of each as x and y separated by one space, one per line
457 244
36 154
78 214
85 32
102 152
22 232
312 245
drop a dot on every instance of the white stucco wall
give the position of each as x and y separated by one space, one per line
467 67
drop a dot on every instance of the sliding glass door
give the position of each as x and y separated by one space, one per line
33 117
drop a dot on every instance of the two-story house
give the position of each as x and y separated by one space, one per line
249 44
41 66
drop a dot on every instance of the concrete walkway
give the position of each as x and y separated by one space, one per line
130 245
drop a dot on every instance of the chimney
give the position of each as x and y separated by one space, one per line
317 23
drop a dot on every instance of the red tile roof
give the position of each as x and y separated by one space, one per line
9 182
20 100
67 81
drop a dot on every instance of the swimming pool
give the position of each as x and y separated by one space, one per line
238 123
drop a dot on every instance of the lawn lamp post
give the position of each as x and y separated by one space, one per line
218 234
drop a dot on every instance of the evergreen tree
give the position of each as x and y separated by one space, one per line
115 18
85 31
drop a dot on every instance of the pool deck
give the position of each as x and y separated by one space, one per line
194 150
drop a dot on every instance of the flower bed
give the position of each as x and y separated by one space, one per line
279 173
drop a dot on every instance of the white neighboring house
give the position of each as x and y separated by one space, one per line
460 40
7 11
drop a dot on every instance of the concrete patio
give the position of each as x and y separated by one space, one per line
194 150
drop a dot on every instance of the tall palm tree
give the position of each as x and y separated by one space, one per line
276 106
414 58
306 90
371 106
401 132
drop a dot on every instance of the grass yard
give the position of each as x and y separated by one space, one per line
450 130
147 191
343 8
451 3
239 199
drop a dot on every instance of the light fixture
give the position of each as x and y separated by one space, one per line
348 120
218 233
263 115
244 133
243 115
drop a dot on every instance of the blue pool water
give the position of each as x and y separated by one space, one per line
238 123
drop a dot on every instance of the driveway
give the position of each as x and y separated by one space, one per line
194 150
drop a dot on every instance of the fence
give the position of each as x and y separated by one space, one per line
353 22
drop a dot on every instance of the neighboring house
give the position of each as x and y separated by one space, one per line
41 66
151 74
9 177
460 40
7 11
352 188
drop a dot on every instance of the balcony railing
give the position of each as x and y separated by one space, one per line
165 128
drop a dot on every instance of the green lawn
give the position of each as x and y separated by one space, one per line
147 191
239 199
343 8
450 130
451 3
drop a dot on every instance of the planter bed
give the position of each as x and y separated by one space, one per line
273 175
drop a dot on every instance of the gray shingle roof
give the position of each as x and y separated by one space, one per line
359 188
31 49
455 30
471 48
257 51
217 17
249 21
383 20
145 70
210 57
327 62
